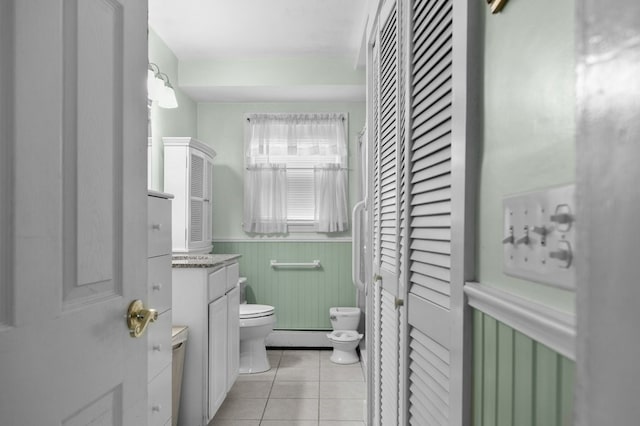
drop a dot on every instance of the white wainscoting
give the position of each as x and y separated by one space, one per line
552 328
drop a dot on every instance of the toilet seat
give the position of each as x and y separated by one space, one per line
344 336
255 311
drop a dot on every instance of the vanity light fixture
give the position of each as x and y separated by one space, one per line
159 88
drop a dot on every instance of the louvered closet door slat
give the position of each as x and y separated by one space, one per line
433 31
438 140
429 395
432 246
440 299
440 134
437 259
429 283
441 80
423 15
429 404
441 234
442 194
439 169
428 78
433 159
431 209
431 122
389 385
440 92
433 183
428 67
437 379
429 379
432 112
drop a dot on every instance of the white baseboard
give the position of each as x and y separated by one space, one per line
298 338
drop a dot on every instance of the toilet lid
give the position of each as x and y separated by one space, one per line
255 311
344 335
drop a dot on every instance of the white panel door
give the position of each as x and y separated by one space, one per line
73 226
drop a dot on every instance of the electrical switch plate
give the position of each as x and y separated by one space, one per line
539 236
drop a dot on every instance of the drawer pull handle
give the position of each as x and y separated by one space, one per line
156 408
157 348
156 226
156 286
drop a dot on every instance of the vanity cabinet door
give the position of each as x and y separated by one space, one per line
217 354
233 337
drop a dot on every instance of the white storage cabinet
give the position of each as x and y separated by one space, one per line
188 174
207 299
159 295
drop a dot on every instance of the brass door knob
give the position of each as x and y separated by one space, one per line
139 317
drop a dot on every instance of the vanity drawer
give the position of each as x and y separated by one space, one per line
159 404
158 226
159 283
217 283
159 348
233 275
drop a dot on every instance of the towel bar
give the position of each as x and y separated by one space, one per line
313 265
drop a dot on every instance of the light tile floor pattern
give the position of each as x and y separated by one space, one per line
303 388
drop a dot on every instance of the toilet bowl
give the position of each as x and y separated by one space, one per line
256 322
344 338
344 344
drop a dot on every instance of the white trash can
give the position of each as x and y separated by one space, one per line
179 336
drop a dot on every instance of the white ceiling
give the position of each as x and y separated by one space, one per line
218 29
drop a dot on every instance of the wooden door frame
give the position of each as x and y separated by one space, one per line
608 205
466 148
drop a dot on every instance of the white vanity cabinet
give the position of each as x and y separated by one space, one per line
188 174
159 298
205 301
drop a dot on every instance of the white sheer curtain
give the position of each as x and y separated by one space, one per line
332 193
315 142
265 199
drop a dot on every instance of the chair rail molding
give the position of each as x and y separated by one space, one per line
552 328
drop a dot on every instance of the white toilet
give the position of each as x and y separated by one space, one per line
256 322
345 337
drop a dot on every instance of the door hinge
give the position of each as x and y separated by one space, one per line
398 302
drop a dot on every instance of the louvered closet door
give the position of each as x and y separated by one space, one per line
386 214
428 304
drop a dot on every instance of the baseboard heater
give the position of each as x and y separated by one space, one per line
298 339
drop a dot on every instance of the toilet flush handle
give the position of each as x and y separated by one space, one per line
333 317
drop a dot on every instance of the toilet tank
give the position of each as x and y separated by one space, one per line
344 318
243 289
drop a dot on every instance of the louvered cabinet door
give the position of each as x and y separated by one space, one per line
197 183
429 315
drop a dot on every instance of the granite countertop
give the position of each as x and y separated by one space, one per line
202 260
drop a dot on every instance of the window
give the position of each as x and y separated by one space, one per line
296 173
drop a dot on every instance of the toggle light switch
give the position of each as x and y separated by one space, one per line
524 240
562 254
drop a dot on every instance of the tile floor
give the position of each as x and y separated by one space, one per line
303 388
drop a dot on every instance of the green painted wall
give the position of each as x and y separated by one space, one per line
529 124
517 381
179 121
301 297
221 125
281 72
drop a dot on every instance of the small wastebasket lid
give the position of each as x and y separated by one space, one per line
179 334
